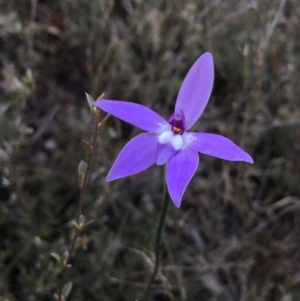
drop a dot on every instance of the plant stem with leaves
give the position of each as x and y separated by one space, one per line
80 224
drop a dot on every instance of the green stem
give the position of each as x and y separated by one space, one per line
157 241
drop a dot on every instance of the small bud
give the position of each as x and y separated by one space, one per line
82 224
96 111
81 220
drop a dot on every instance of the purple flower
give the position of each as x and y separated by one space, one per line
167 142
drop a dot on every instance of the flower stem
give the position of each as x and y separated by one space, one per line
79 209
157 241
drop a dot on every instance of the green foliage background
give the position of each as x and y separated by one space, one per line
236 236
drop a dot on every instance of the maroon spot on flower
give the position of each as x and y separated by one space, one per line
177 121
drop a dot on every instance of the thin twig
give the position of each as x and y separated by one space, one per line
79 210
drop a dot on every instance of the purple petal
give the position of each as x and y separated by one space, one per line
136 114
196 89
137 155
180 170
164 153
218 146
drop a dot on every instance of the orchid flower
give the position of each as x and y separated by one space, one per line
167 142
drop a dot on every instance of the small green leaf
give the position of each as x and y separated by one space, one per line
67 289
88 148
56 256
90 101
81 171
82 167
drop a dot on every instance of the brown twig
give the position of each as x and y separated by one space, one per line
80 206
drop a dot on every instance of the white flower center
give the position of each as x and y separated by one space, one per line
175 140
165 137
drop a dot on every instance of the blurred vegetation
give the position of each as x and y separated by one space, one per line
236 236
